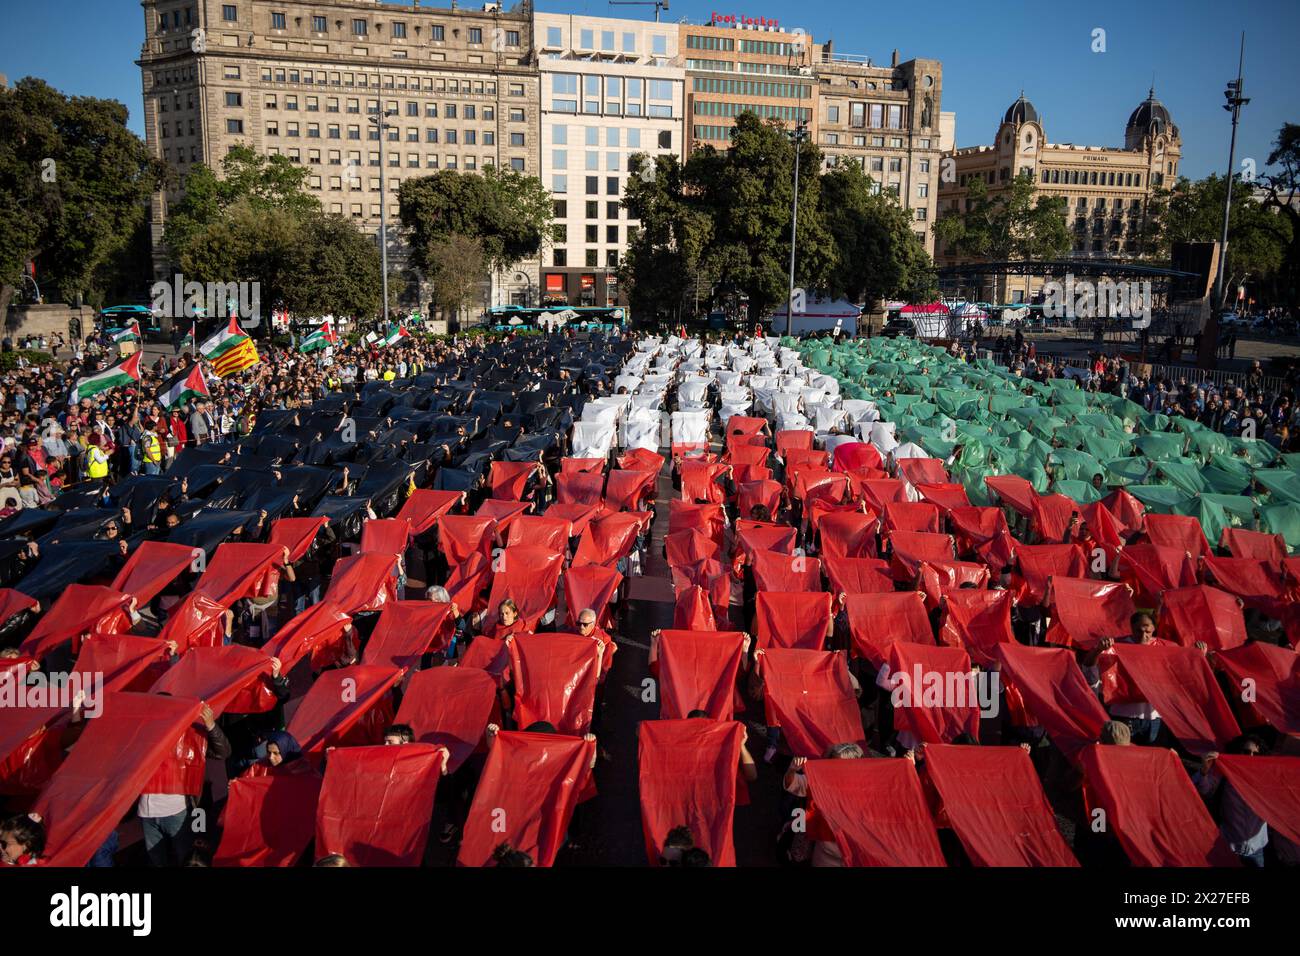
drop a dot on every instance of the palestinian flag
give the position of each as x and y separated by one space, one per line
129 334
230 350
181 387
191 341
125 372
321 338
395 336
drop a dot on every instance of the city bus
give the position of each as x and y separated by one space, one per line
584 318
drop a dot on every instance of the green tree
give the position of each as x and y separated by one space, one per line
456 266
74 188
1011 223
1281 187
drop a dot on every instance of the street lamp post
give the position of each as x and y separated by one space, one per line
1235 102
797 135
383 206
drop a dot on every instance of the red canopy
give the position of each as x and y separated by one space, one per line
386 536
1241 543
1272 675
1177 531
1014 492
529 576
910 516
848 534
592 586
152 566
909 548
1041 562
526 796
809 696
80 609
579 487
106 771
363 582
688 778
318 631
935 695
858 575
1055 692
509 479
377 802
774 571
122 661
1084 611
1151 569
1151 805
1178 683
296 534
426 506
223 677
996 806
555 678
1202 613
1258 583
876 810
878 621
698 671
786 619
269 820
459 536
407 630
976 621
1051 517
450 707
542 531
344 707
239 571
1270 786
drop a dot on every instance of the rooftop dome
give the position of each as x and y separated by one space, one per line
1151 117
1021 111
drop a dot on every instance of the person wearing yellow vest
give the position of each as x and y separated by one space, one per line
151 451
96 463
389 375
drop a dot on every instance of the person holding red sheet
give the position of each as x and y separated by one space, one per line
804 847
1242 828
165 817
22 840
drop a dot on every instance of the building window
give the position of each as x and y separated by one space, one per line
593 233
611 185
229 13
277 21
475 34
517 164
320 24
360 28
516 139
611 210
234 126
593 185
559 159
399 29
587 40
234 99
559 258
559 184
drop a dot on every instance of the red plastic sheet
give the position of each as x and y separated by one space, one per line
910 516
701 481
344 707
1085 611
935 697
577 465
749 453
269 820
14 602
996 806
542 531
858 575
688 547
876 810
708 518
1271 676
698 671
821 485
609 539
1258 583
317 631
784 619
939 578
593 586
407 630
944 495
1241 543
879 621
808 695
792 439
106 771
848 534
1041 562
363 582
977 621
489 655
641 459
377 803
579 516
688 778
555 677
629 490
922 471
459 536
1151 569
426 506
197 621
878 492
1056 693
709 576
1202 613
509 479
783 572
386 536
764 492
1177 531
1101 529
30 747
984 531
1178 683
296 534
241 571
1127 510
122 661
222 677
528 575
752 536
152 566
526 796
1152 807
849 456
504 513
1013 492
909 548
450 707
579 488
1270 786
1051 517
80 609
467 582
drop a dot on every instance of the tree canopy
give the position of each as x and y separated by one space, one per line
1011 223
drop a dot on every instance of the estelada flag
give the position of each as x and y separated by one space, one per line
230 350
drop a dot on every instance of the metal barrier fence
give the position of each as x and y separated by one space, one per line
1216 377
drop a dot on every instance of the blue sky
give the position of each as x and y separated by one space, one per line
989 51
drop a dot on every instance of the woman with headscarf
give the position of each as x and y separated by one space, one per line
278 750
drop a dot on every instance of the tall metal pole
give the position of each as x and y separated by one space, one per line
1235 102
383 211
798 135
